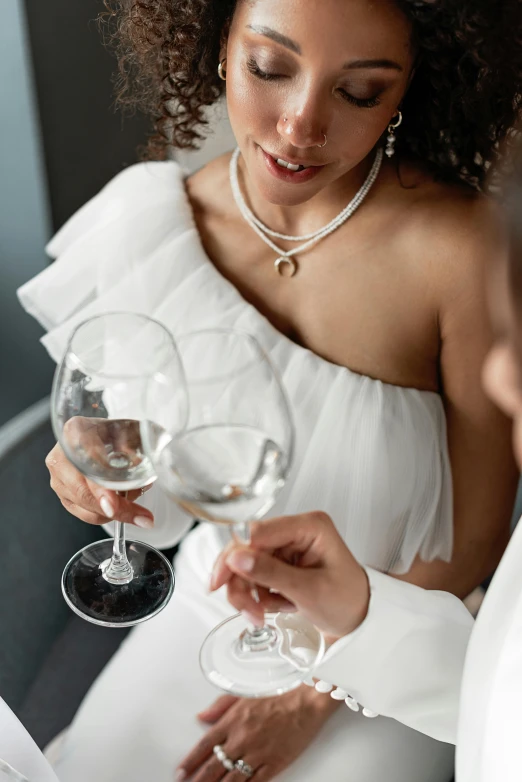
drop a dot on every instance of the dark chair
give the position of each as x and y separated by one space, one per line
48 656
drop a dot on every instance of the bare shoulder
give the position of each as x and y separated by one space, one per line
207 187
453 233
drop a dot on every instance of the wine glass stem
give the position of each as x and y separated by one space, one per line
254 638
119 569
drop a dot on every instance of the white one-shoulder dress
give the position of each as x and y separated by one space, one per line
372 455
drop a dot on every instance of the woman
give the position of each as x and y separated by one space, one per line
379 334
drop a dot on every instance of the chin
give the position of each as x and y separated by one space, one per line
277 196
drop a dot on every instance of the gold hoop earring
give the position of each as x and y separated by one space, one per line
391 138
221 70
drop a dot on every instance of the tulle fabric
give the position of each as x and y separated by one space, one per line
372 455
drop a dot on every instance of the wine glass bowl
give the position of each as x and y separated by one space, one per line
232 458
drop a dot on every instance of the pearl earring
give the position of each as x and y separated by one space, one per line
391 138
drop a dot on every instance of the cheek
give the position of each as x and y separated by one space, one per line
251 106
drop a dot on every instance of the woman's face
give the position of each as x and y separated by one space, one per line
300 70
503 367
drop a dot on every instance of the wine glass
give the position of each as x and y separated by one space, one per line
97 405
227 467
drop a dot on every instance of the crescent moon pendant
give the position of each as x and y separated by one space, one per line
285 260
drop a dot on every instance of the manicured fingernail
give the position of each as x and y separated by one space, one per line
181 774
241 560
143 521
107 507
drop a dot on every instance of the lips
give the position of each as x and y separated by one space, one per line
290 166
292 171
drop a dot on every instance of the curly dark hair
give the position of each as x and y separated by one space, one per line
464 98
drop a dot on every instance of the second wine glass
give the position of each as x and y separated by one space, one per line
227 467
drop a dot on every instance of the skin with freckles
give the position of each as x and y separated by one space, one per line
395 294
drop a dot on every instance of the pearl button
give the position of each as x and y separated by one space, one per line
339 695
369 713
352 703
323 687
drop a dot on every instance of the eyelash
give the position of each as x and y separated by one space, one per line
367 103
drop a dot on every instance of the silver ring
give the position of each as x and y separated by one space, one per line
244 768
230 765
223 758
325 142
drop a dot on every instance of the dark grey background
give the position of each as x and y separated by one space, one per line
60 141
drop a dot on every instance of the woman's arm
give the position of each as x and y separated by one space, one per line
483 469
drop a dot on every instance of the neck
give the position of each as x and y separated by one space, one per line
313 214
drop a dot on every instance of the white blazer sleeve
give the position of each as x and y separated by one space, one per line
406 660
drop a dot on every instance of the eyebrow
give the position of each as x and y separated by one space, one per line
267 32
360 64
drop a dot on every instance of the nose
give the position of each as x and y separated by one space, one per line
305 124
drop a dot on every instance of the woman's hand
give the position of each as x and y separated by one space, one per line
268 734
88 501
307 562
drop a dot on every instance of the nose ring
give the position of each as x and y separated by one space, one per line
325 142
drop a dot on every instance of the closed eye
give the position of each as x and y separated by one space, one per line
361 103
254 68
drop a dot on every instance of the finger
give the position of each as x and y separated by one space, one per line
220 572
237 776
134 495
212 770
81 502
69 483
300 532
83 515
202 751
237 751
239 594
217 709
261 568
264 774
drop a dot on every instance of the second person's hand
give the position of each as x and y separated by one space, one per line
305 560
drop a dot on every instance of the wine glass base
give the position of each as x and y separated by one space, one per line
96 600
267 669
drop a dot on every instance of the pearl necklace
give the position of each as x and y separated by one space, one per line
286 257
